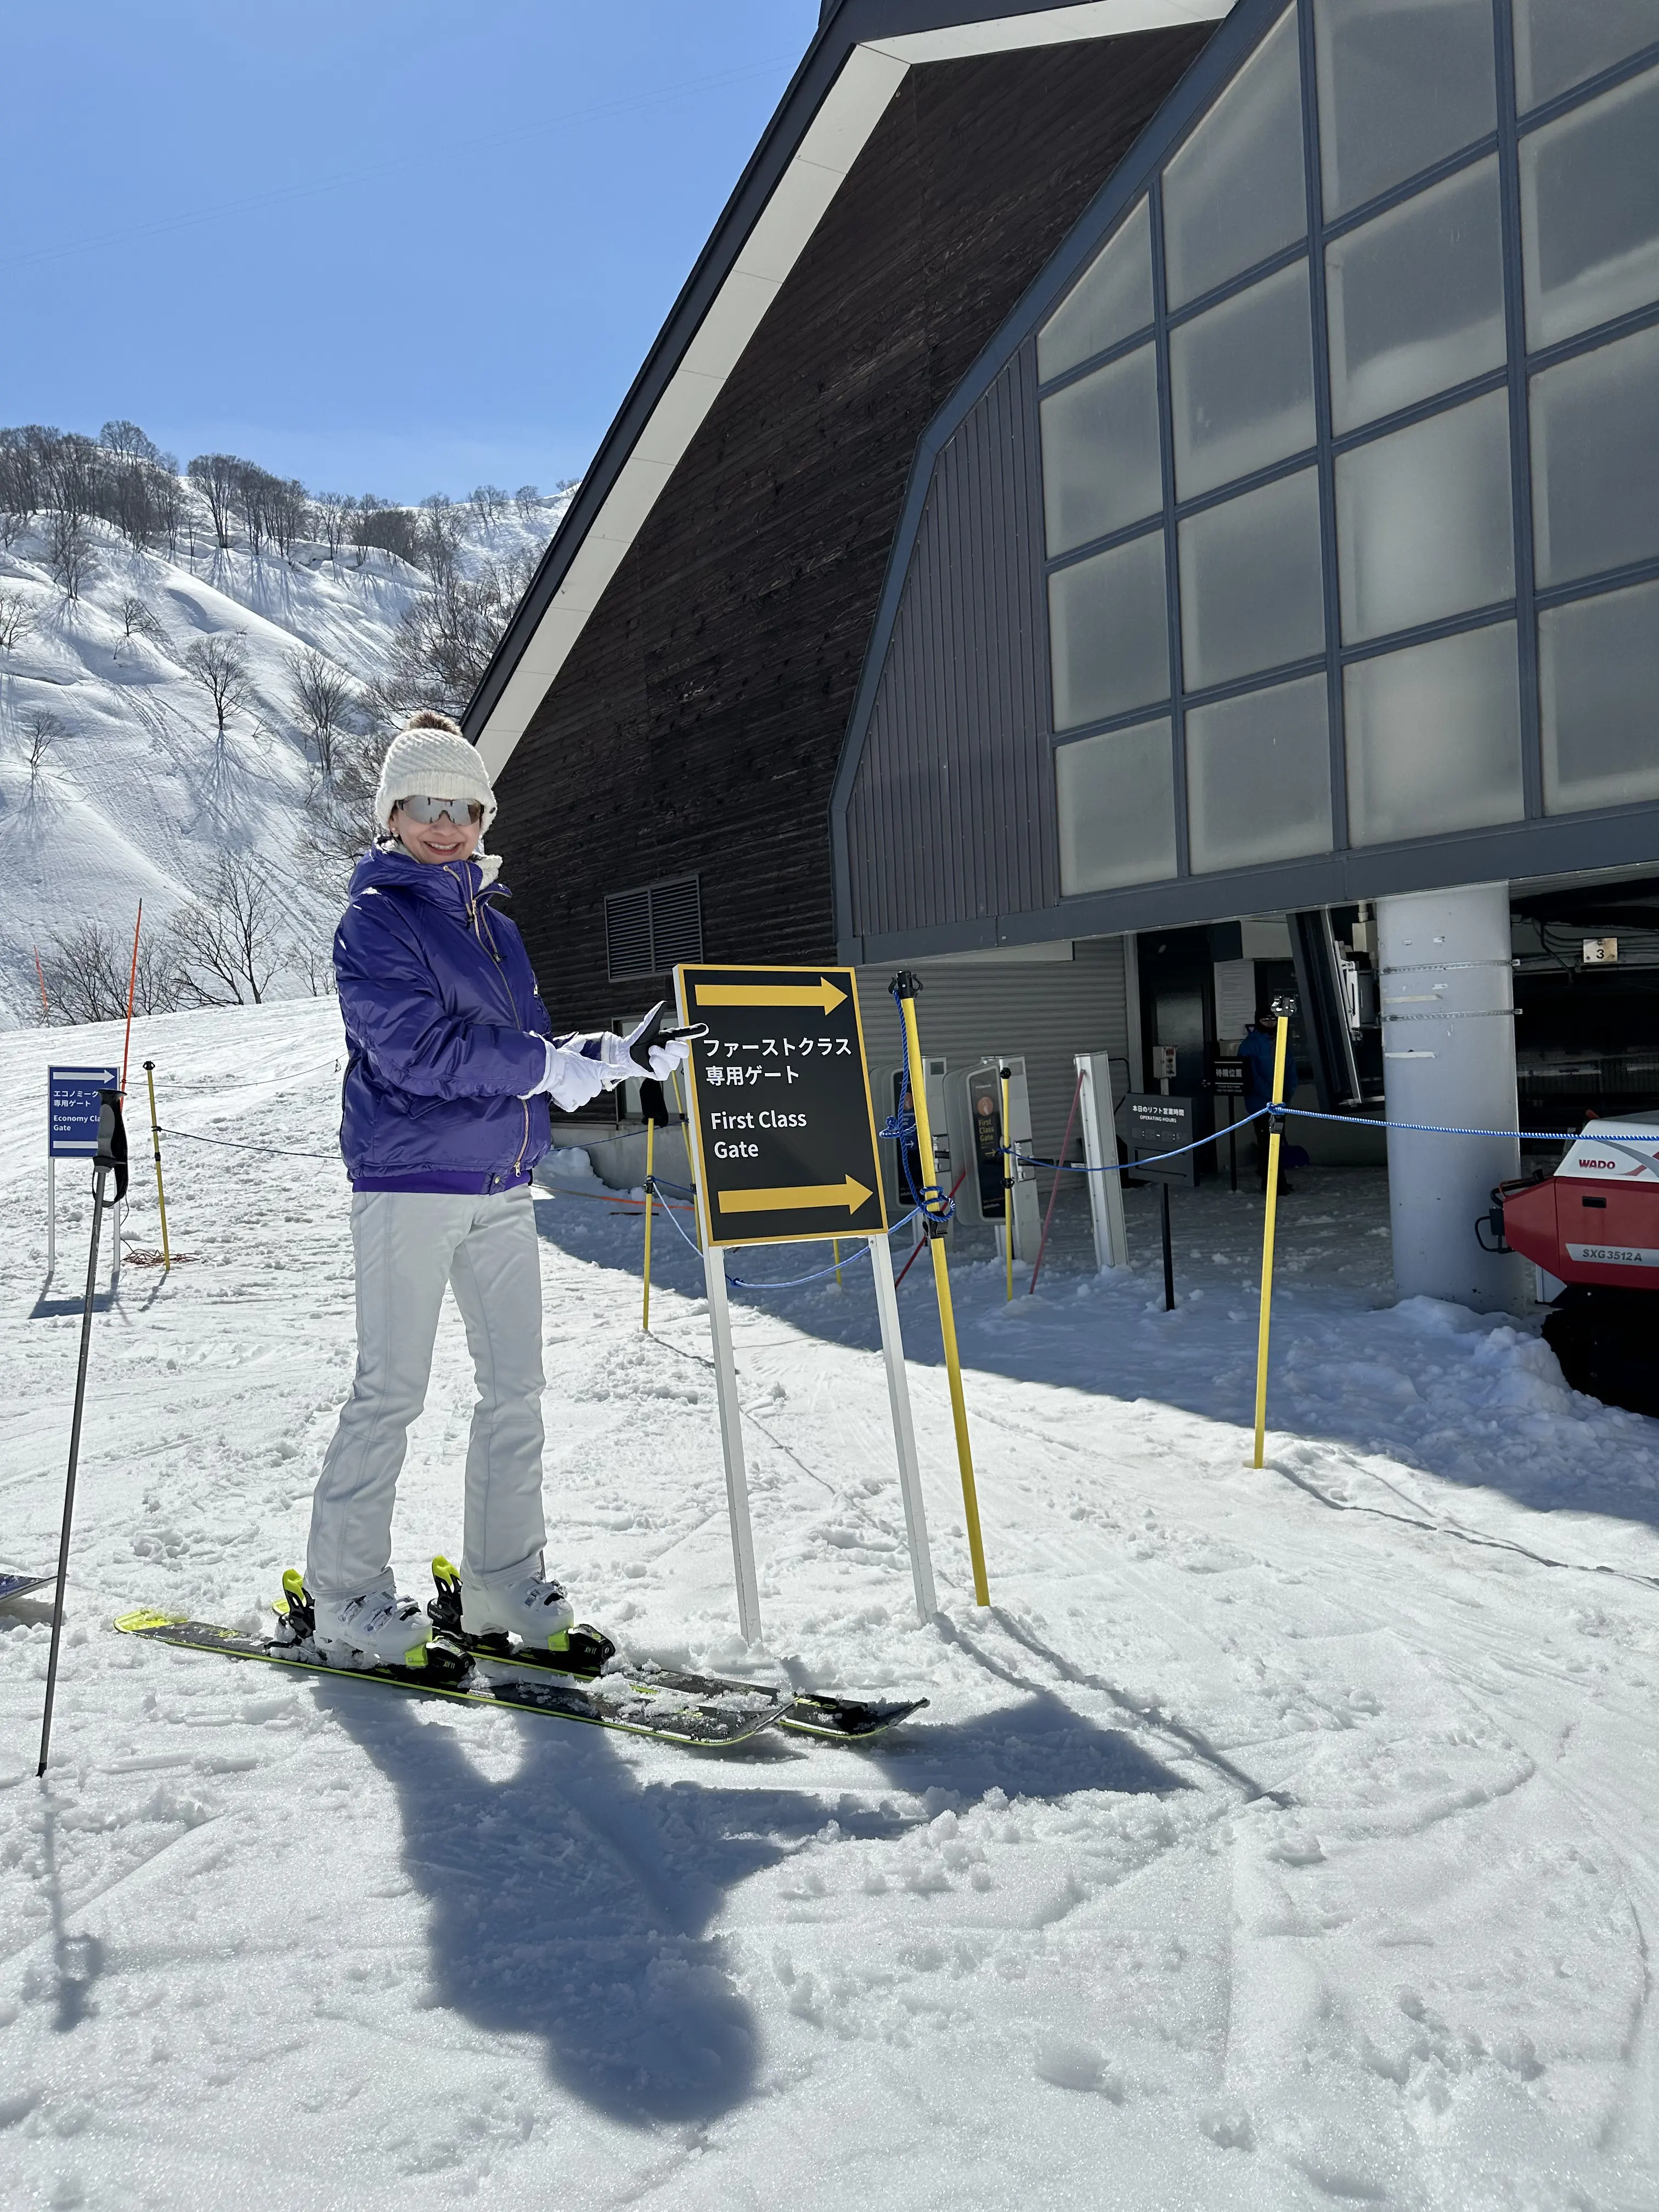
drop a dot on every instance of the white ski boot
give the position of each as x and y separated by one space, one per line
534 1610
375 1628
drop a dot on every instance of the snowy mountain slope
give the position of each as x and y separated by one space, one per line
1279 1839
134 797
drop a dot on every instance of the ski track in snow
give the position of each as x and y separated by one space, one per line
1278 1839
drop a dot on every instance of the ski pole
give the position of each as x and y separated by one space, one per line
112 1157
650 1152
160 1195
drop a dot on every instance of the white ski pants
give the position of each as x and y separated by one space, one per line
409 1244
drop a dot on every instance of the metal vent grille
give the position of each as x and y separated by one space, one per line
647 931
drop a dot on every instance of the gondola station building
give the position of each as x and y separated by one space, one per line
1136 510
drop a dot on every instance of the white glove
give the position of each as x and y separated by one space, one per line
570 1079
621 1060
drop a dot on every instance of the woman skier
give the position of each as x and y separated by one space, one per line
450 1070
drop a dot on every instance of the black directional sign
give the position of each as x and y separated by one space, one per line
780 1105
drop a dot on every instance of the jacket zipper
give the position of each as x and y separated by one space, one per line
475 911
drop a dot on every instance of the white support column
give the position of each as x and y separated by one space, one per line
904 1434
736 1480
1448 992
1100 1148
52 1215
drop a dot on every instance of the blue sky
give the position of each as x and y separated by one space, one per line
396 245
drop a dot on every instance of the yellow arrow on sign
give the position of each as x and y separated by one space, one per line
823 995
851 1194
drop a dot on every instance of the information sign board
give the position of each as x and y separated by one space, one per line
72 1104
1227 1079
779 1105
1149 1122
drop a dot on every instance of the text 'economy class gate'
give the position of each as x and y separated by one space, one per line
783 1145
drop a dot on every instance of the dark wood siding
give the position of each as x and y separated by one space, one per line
697 725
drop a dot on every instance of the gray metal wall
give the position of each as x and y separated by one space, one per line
951 816
1044 1010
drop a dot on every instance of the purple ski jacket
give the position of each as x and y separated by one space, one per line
444 1025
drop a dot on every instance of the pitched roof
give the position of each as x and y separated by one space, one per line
859 55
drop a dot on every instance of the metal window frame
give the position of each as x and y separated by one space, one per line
1513 377
1549 842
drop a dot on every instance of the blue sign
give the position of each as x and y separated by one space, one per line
72 1104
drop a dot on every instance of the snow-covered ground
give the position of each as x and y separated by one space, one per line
134 797
1278 1839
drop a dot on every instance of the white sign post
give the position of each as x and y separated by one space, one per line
1105 1190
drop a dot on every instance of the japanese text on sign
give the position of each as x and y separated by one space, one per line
72 1104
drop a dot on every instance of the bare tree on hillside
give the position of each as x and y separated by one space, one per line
445 641
138 621
69 553
331 518
324 700
342 807
41 733
489 501
440 538
220 665
17 622
527 499
390 529
85 974
229 945
217 477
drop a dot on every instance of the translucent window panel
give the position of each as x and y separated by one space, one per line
1241 381
1259 776
1109 302
1598 677
1402 83
1107 636
1424 523
1589 212
1434 738
1414 299
1252 588
1100 453
1235 192
1595 459
1559 43
1116 809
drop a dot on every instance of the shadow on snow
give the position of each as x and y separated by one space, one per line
576 1900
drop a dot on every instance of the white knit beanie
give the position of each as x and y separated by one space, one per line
429 756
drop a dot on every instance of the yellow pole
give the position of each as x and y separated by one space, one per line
155 1141
1268 1228
679 1108
650 1155
947 1319
834 1247
1007 1188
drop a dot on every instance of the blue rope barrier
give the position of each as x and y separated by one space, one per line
1301 1114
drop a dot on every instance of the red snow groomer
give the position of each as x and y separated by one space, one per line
1593 1225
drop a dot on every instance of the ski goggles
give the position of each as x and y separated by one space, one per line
429 810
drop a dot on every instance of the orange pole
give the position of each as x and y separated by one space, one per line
132 985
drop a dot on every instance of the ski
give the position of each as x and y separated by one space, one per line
585 1652
636 1706
21 1585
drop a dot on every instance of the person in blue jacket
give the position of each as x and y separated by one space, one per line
1256 1050
451 1068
